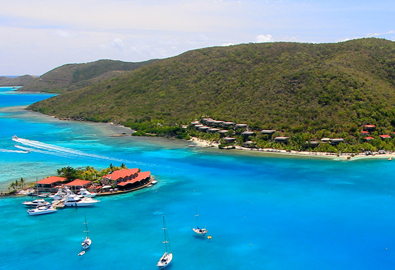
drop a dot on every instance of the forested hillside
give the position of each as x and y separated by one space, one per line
75 76
18 81
317 89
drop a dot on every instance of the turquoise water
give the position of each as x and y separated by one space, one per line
263 212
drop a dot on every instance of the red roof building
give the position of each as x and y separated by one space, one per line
122 175
49 184
141 179
77 184
385 136
364 132
370 127
369 138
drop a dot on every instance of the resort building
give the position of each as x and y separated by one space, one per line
249 144
370 127
364 132
313 144
336 141
228 124
77 184
369 138
50 184
247 133
212 130
140 180
241 126
229 139
203 128
385 137
268 131
281 139
122 175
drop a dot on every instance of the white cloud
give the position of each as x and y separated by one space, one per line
117 43
65 33
227 44
263 38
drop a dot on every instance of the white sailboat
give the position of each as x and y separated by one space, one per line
167 257
87 242
197 229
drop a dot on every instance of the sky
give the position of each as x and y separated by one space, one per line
38 36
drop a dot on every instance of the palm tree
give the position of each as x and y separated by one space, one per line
22 181
16 184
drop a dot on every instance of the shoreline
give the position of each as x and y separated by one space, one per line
344 156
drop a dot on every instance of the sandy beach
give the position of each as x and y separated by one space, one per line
344 156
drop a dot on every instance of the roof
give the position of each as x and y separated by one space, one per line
370 126
78 182
385 136
365 132
52 179
121 173
281 138
369 138
140 176
337 140
268 131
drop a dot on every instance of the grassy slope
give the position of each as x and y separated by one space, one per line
291 87
74 76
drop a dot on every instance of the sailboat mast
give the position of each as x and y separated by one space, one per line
197 215
86 226
164 232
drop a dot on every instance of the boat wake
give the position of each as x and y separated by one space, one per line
43 148
14 151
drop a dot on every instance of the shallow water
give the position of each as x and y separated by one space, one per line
263 212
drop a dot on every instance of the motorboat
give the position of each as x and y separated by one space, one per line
76 201
154 182
86 193
58 195
167 257
35 203
87 241
40 210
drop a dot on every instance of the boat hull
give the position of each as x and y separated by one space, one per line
41 211
165 260
200 231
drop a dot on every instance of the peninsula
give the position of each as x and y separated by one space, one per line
315 97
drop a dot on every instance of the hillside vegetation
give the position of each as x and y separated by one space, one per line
75 76
18 81
296 88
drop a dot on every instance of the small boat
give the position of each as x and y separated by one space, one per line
81 253
86 193
87 242
40 210
76 201
197 229
167 257
58 195
35 203
154 182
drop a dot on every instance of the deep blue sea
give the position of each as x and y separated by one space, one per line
262 211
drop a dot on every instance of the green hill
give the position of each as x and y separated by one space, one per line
317 89
18 81
74 76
